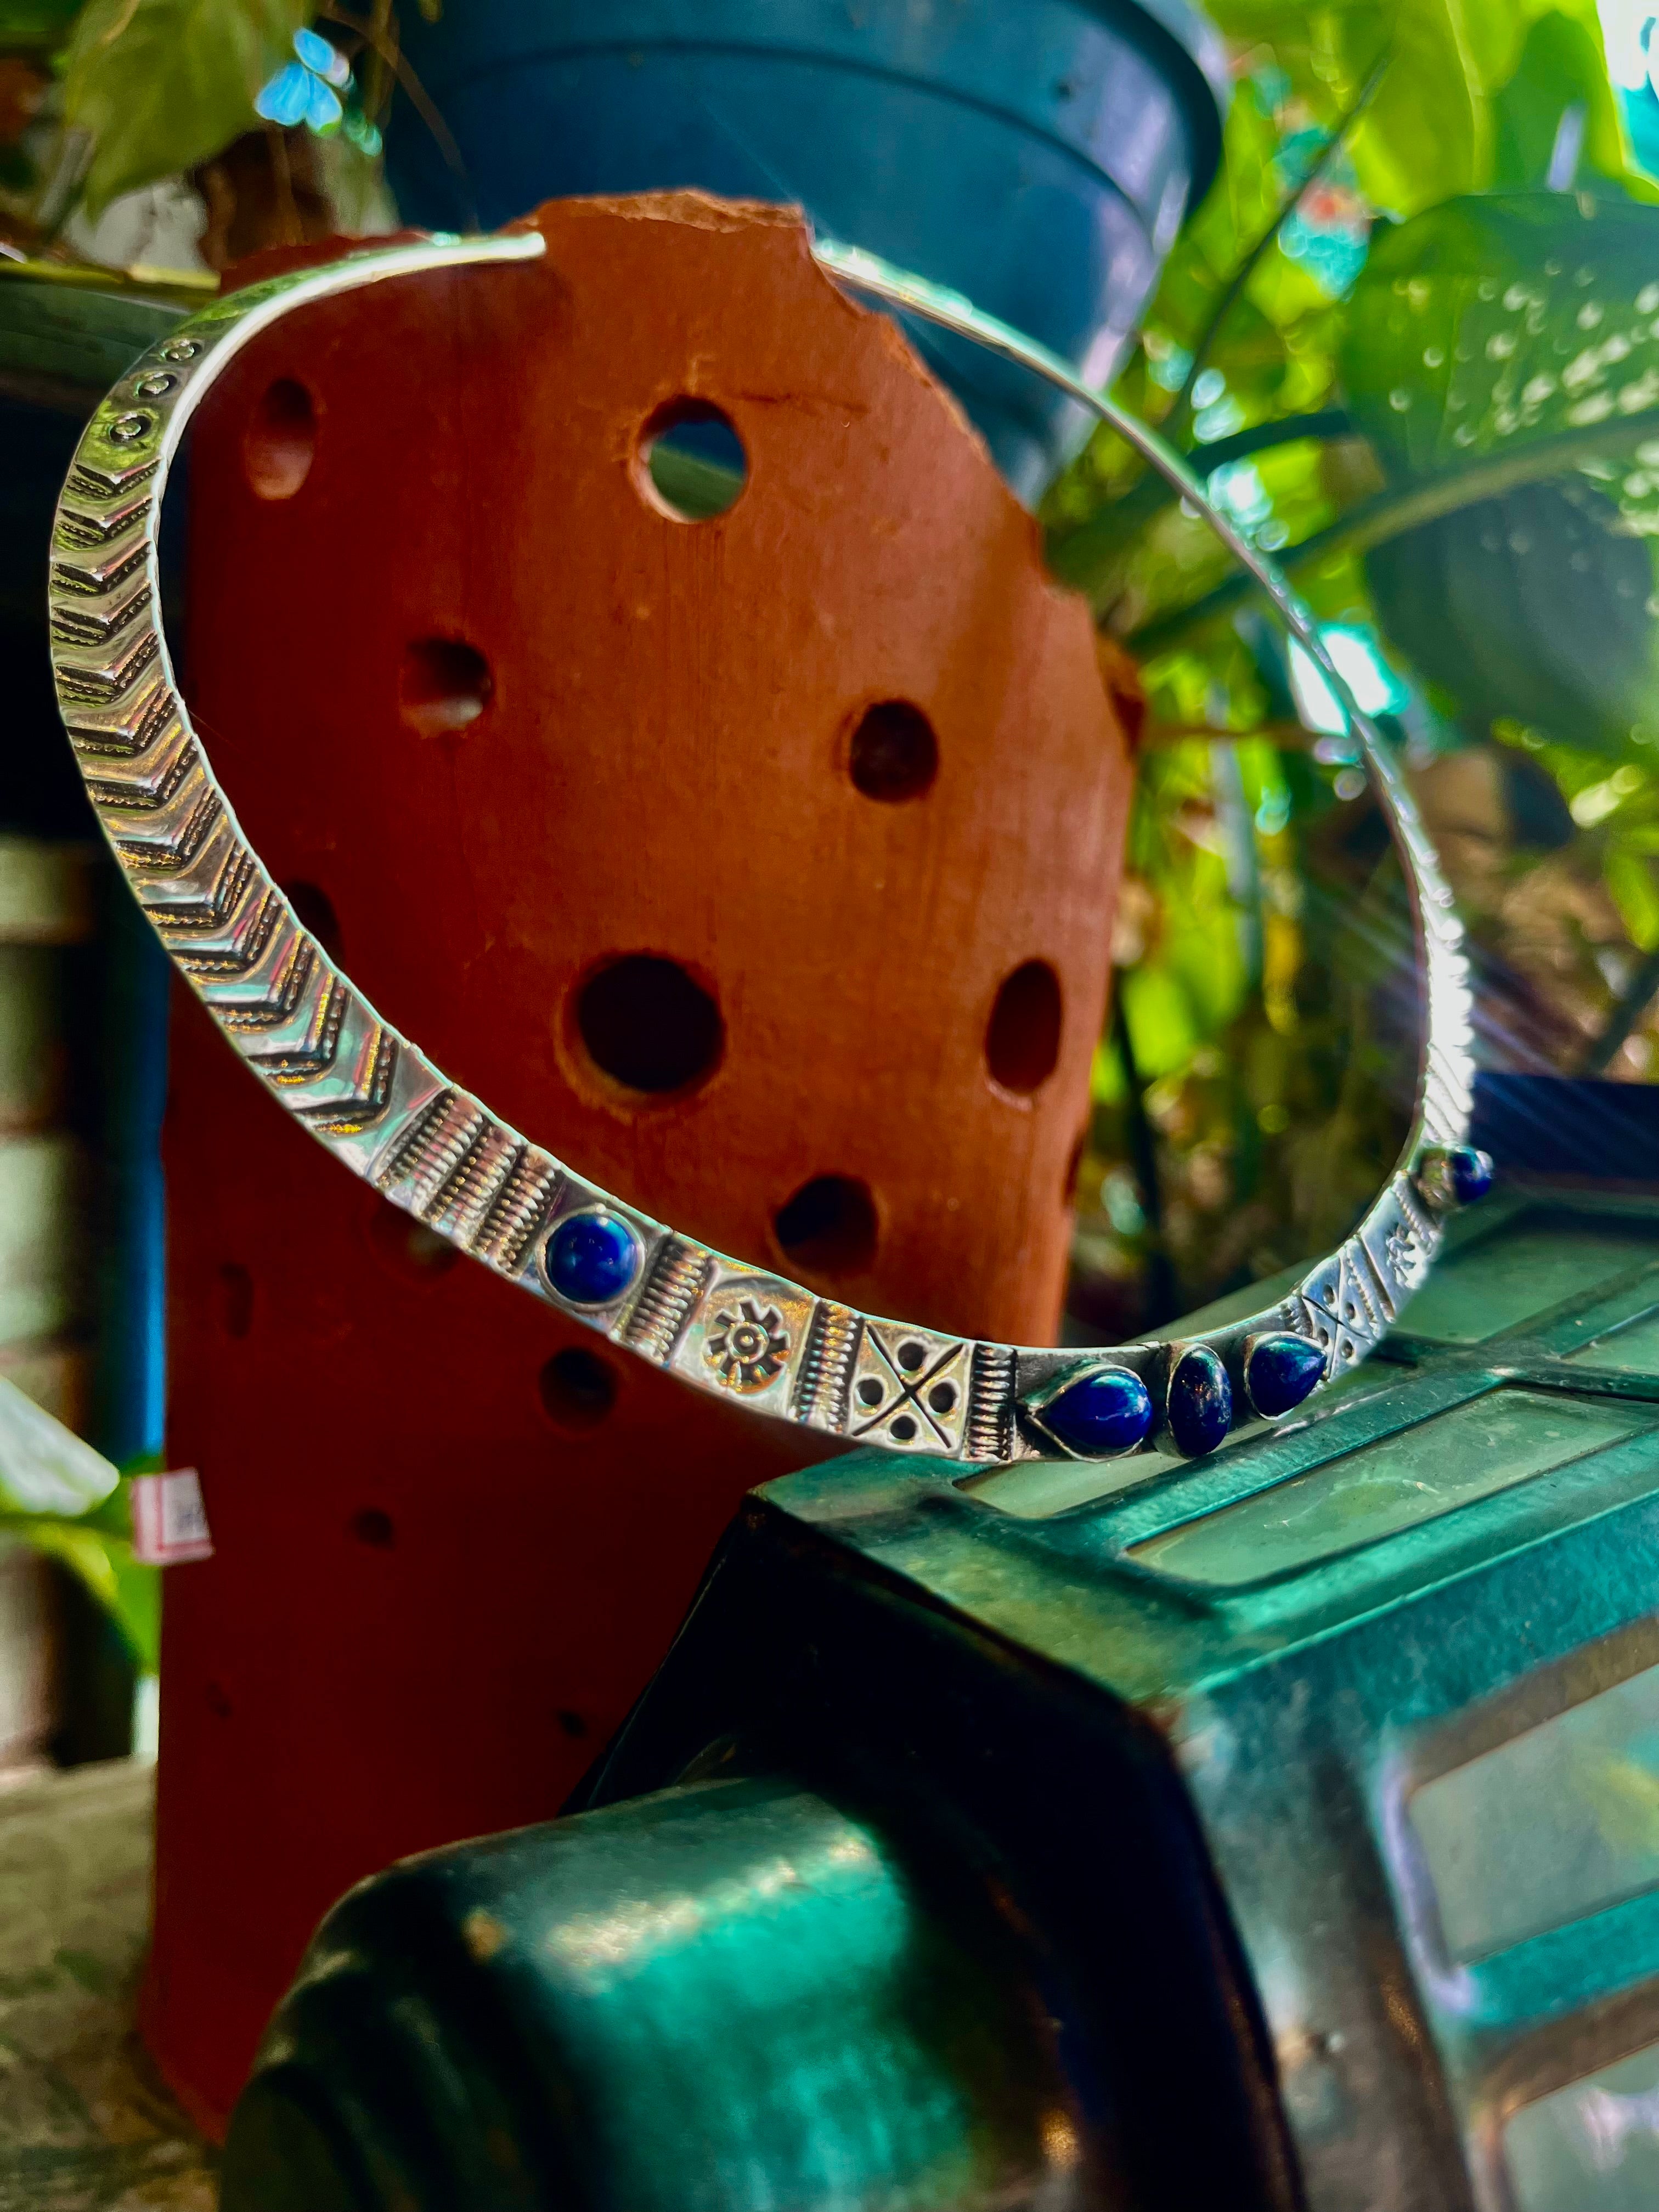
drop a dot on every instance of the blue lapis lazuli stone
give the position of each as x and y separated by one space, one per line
1280 1371
1200 1402
1102 1413
592 1259
1470 1172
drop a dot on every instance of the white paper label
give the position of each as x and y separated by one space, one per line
169 1521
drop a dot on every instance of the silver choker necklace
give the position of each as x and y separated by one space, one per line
381 1107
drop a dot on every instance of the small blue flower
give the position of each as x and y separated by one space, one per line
304 91
323 60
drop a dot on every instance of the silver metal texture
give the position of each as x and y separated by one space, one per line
383 1109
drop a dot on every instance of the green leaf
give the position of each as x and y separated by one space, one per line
1496 341
1472 94
1531 607
1472 90
1439 126
1629 878
1561 66
99 1549
44 1467
161 85
1427 133
1161 1022
60 1497
1493 320
34 26
1481 329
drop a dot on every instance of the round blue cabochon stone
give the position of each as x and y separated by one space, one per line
1101 1414
591 1258
1471 1173
1200 1403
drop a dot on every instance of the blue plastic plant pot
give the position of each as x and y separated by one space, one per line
1037 154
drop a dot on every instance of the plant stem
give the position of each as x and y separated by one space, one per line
1627 1011
1174 423
1143 1157
1392 512
381 35
1076 557
1076 554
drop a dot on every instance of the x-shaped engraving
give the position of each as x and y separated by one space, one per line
927 1401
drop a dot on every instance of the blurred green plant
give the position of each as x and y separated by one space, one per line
100 97
159 86
61 1497
1412 341
96 1547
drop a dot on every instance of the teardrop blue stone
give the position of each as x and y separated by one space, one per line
1200 1401
1101 1414
591 1258
1280 1371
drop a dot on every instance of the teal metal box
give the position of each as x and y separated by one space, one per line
1289 1823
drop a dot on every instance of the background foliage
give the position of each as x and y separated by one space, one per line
1411 338
159 85
99 99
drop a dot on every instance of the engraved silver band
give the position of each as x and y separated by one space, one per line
381 1107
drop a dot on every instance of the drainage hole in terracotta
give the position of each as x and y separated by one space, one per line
578 1389
1022 1038
443 685
373 1527
280 442
648 1025
829 1227
693 460
314 910
894 755
235 1299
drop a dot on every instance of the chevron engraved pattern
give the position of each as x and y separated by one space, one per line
112 530
151 779
429 1146
125 731
122 557
99 620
